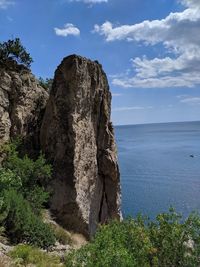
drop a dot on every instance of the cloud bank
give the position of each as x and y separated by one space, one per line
179 35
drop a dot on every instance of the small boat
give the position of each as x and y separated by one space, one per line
191 156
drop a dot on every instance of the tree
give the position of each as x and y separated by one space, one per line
46 83
14 50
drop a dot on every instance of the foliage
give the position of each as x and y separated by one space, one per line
177 242
3 238
24 255
117 244
27 176
14 50
9 179
139 242
22 197
37 197
22 224
31 172
46 83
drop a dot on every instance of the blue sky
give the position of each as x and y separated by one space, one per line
149 49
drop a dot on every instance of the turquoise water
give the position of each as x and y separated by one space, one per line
157 169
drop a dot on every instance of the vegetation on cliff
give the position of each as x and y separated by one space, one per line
13 50
22 197
25 255
46 83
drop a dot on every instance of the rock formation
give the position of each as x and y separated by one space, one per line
22 104
75 133
77 137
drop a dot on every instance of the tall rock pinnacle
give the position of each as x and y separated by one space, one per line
77 137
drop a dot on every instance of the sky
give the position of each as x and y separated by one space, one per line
149 49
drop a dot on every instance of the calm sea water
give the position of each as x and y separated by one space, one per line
156 167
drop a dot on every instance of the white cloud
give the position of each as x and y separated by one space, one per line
191 100
179 35
115 94
68 29
131 108
190 3
5 4
182 80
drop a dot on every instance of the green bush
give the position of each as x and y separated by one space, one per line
31 172
141 243
25 175
22 197
8 180
37 197
21 224
25 255
117 244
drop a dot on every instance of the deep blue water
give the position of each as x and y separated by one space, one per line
156 168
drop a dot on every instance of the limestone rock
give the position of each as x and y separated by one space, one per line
77 137
22 104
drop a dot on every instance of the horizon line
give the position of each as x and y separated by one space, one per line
132 124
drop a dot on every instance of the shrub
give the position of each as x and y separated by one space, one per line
14 50
30 255
169 241
37 197
22 197
8 180
116 244
31 172
25 175
21 224
173 238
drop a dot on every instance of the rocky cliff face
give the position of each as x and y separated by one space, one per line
77 137
75 133
22 104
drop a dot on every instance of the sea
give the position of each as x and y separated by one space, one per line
160 167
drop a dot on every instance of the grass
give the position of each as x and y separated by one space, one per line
23 255
62 236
